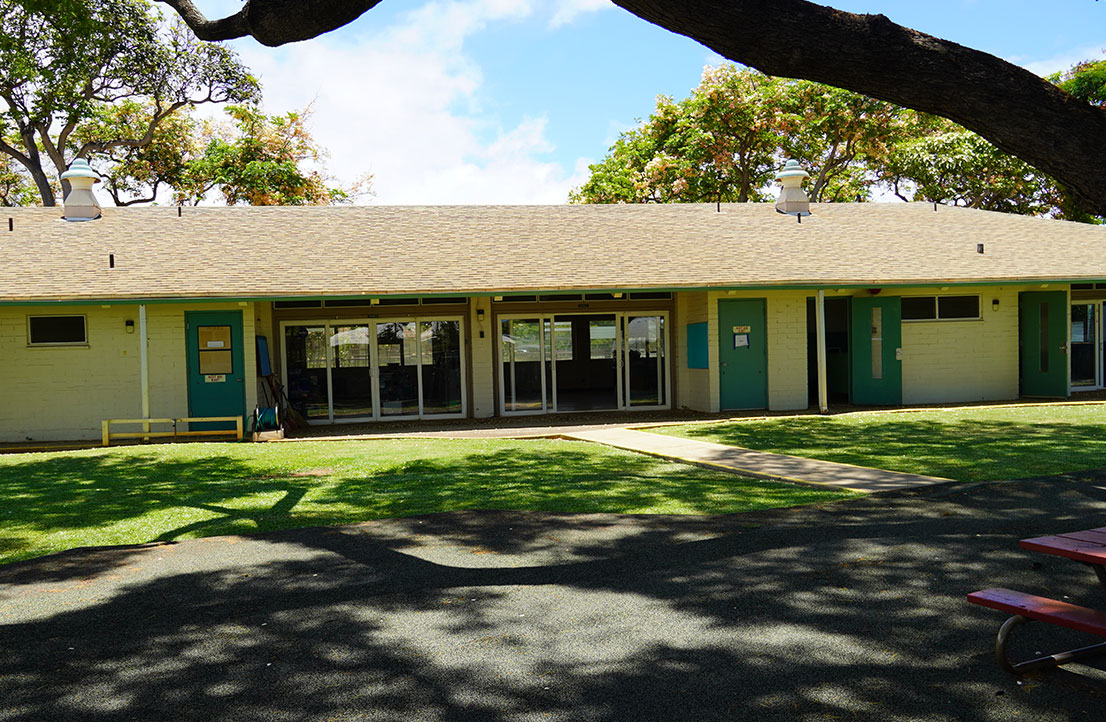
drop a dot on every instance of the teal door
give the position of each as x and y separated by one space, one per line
1044 339
216 369
742 354
877 351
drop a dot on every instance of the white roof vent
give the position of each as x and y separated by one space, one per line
80 204
792 200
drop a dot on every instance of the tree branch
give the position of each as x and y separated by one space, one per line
1009 106
274 22
228 28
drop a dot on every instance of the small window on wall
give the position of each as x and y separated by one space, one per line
215 350
940 308
56 330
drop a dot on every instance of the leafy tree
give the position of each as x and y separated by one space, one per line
726 140
840 136
137 174
64 64
262 160
15 188
955 166
869 54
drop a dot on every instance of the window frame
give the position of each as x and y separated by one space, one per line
31 343
937 308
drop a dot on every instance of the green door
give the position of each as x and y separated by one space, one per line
743 354
216 370
877 351
1044 339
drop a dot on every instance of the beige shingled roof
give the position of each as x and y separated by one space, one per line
379 250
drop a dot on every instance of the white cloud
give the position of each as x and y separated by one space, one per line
569 10
404 103
1057 63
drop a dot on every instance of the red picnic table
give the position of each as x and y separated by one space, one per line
1088 547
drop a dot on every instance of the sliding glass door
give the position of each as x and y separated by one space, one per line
1086 346
344 371
582 362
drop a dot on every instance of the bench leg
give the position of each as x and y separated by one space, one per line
1051 660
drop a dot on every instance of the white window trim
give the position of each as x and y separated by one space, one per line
58 344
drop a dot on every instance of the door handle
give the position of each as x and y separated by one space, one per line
1063 348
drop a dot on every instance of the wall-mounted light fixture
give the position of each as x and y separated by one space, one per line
374 301
874 291
617 295
130 325
479 314
994 304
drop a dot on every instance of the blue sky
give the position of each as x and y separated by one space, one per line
507 101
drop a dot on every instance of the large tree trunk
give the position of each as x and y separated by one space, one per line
1017 111
1009 106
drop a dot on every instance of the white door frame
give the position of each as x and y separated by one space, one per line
374 367
543 319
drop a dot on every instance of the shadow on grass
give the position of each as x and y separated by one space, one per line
144 496
851 611
965 450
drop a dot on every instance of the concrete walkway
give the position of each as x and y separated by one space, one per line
757 464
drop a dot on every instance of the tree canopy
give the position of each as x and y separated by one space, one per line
725 141
1009 106
86 77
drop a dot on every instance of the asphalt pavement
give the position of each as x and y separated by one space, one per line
847 611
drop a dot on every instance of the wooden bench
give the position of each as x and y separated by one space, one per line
107 435
1028 607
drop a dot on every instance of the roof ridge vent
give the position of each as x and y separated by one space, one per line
793 200
80 204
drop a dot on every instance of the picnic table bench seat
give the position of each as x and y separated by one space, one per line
1029 607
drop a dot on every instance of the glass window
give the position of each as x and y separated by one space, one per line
397 363
430 300
562 297
440 343
919 308
518 299
305 353
347 302
877 342
49 330
297 304
944 308
562 340
1044 337
957 307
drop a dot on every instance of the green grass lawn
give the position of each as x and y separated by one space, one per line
974 444
59 500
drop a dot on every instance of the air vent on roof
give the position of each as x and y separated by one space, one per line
793 200
80 204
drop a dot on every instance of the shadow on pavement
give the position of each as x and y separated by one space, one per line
852 610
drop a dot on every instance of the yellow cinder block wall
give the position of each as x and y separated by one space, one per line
693 386
54 393
482 355
947 361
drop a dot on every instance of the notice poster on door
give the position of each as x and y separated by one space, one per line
741 340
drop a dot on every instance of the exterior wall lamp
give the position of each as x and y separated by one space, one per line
994 304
